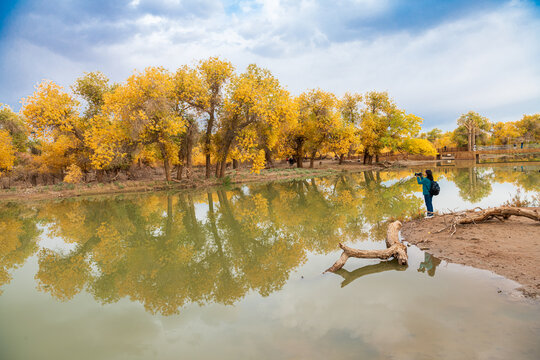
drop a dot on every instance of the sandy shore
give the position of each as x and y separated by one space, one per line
510 248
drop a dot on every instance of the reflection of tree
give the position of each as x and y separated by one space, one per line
473 183
523 176
18 238
164 252
350 276
155 250
429 264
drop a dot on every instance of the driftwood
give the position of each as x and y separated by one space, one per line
394 248
500 213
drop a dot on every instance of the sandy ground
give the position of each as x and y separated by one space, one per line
510 248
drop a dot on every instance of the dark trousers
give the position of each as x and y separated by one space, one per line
429 203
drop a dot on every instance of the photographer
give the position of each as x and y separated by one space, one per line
426 185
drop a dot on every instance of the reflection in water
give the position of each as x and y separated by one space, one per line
429 264
18 234
169 250
350 276
154 249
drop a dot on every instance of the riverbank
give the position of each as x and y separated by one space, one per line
510 248
155 182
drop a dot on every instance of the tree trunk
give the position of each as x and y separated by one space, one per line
224 155
393 249
268 157
189 151
235 164
312 160
376 158
300 156
166 164
500 213
179 172
469 145
341 157
223 166
207 141
217 168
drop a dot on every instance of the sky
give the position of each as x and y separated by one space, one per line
436 59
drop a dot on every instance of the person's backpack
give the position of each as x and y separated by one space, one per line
435 189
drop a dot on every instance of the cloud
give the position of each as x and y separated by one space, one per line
437 61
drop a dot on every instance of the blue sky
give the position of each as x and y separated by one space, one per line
437 59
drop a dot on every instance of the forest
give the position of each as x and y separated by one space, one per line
212 116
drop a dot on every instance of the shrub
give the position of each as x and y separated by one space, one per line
74 175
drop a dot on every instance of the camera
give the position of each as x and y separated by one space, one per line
418 174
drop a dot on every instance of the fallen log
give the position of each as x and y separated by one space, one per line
500 213
394 248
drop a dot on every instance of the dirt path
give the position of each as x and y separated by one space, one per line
510 248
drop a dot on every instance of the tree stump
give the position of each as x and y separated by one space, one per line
394 248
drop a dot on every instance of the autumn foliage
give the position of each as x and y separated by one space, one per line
209 114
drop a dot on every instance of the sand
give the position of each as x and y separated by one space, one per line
510 248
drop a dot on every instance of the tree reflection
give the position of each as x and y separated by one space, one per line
473 183
18 235
169 250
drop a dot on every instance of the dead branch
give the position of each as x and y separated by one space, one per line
501 213
394 248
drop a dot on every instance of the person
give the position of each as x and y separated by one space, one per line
291 161
426 185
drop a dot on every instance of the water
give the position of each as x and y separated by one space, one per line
237 273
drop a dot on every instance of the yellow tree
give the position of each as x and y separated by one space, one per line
14 124
52 117
318 116
7 152
342 138
202 89
378 107
444 141
345 138
383 125
503 132
475 124
190 102
143 109
92 87
255 100
529 127
418 146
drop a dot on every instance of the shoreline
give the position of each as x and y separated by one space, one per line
509 248
198 182
280 172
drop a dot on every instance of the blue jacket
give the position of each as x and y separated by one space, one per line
426 184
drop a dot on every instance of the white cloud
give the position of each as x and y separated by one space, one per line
486 61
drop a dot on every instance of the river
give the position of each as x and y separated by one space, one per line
236 273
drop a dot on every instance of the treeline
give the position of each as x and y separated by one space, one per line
206 113
475 129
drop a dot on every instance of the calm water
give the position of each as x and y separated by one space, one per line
234 274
